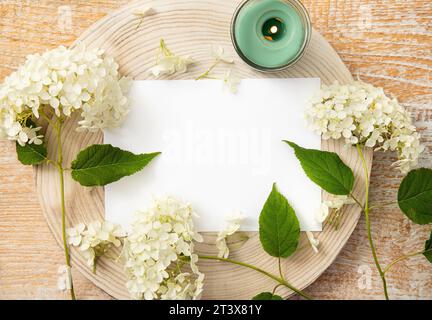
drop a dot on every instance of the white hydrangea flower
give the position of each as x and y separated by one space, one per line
323 213
95 240
312 241
61 81
218 54
159 245
334 203
361 113
64 281
145 11
231 82
168 63
74 234
29 135
233 225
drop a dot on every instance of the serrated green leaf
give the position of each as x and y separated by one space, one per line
279 228
415 196
428 249
31 154
267 296
101 164
326 169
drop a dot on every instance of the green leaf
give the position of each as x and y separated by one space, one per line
279 228
101 164
415 195
326 169
428 248
267 296
31 154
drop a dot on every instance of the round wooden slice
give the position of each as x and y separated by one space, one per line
190 27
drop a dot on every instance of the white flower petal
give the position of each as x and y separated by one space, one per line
218 53
144 12
233 225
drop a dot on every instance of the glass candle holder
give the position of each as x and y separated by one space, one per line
270 35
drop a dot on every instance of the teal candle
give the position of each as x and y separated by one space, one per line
270 34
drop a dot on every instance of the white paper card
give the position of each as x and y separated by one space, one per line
220 151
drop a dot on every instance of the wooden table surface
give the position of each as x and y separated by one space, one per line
385 42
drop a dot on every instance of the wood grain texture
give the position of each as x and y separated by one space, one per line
133 43
385 42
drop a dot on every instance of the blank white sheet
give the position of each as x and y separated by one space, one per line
220 151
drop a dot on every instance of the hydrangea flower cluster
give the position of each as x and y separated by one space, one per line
62 81
233 225
157 249
95 240
362 114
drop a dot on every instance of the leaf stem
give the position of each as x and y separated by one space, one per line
276 278
141 19
280 268
206 73
404 257
60 169
276 287
368 224
164 49
356 200
50 122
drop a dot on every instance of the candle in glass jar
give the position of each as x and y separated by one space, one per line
270 34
